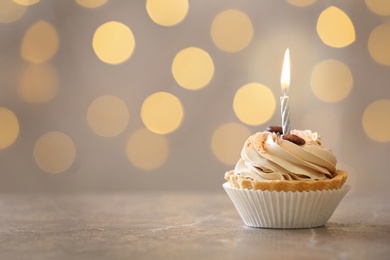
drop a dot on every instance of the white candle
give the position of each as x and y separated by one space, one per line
284 100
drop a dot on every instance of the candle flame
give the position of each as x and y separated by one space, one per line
285 78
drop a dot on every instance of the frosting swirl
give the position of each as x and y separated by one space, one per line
266 156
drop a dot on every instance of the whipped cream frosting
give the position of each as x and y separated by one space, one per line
266 156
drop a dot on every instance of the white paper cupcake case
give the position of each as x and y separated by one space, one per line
272 209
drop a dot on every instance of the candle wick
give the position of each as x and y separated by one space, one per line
284 86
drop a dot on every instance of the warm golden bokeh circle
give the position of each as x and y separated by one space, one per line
9 127
331 80
91 3
192 68
147 150
376 120
26 2
10 11
54 152
254 103
40 43
108 116
167 12
232 30
381 7
335 28
228 140
39 83
113 42
162 113
301 3
379 44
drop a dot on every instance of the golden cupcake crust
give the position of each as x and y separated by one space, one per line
240 182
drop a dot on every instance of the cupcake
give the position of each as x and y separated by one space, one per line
285 180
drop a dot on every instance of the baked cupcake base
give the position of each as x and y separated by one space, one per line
240 182
280 209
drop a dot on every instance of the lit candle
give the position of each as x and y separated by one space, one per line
284 100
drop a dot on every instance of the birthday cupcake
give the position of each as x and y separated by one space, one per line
285 180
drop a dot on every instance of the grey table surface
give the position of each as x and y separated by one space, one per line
179 225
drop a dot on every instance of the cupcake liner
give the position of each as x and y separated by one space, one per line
272 209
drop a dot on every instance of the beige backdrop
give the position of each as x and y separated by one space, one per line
161 95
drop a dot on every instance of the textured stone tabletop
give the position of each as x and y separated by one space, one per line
179 226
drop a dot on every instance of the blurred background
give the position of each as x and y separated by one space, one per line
115 95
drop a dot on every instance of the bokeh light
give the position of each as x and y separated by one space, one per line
167 12
108 116
192 68
381 7
91 3
232 30
147 150
376 120
10 11
54 152
254 104
113 42
162 113
39 83
228 140
26 2
301 3
379 44
331 80
319 121
9 127
335 28
40 43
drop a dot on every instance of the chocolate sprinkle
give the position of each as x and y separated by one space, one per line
275 129
294 139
